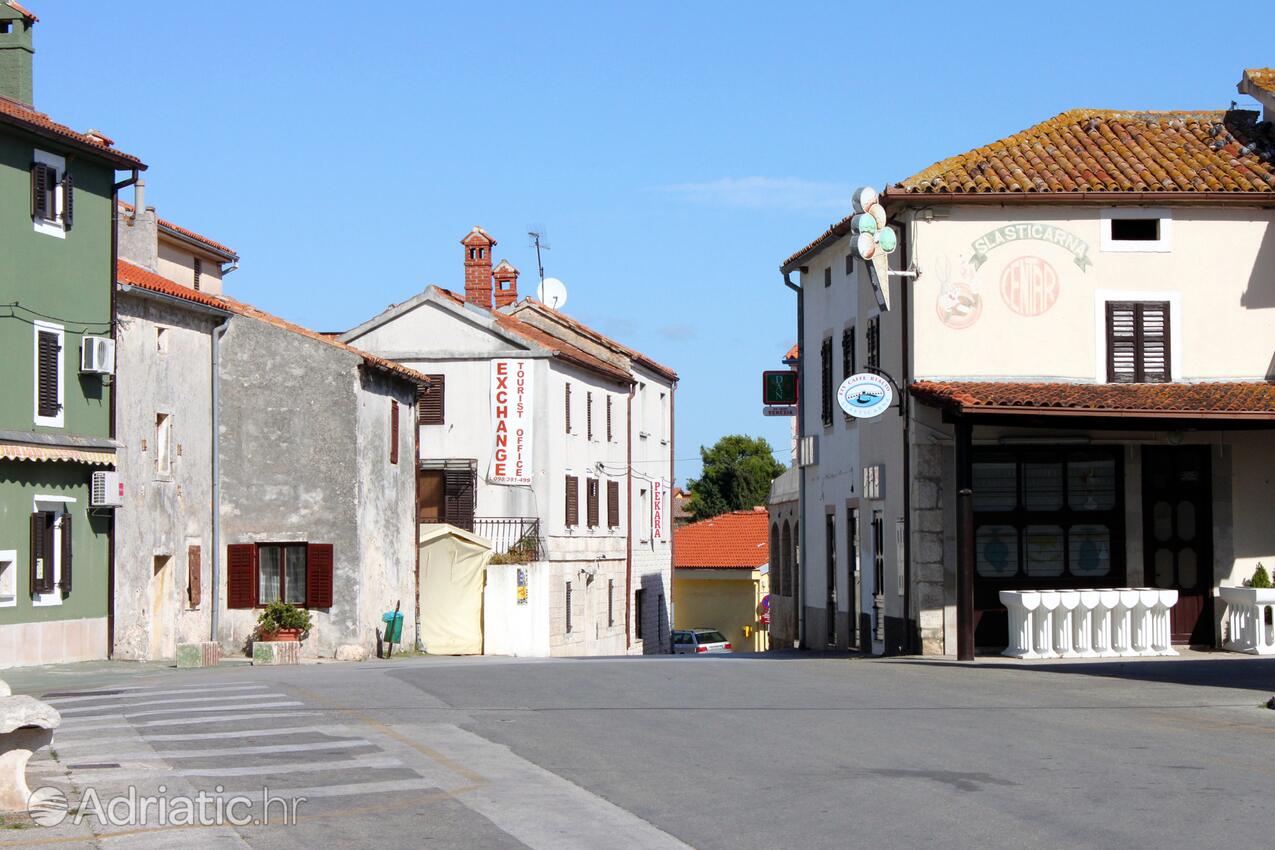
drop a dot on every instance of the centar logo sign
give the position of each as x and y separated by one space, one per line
1029 286
511 416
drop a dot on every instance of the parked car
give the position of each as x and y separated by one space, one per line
692 641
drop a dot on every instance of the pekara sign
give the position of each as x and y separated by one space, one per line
511 416
1011 234
657 509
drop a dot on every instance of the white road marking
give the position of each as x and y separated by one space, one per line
184 721
285 703
230 751
135 692
370 762
125 708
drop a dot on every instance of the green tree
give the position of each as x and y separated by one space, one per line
736 476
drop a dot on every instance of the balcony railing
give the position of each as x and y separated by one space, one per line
514 540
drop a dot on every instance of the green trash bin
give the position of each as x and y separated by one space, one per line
393 621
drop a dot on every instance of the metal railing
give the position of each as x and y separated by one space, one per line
514 540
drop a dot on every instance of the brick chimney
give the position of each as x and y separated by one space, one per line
478 245
506 277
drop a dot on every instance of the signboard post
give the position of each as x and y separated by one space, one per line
512 422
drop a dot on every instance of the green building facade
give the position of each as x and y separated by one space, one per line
57 189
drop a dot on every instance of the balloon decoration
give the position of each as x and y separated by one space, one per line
869 224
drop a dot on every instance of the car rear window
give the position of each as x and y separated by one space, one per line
710 637
682 637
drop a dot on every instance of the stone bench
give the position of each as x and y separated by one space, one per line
26 725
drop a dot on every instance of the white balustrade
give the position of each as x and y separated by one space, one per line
1106 622
1250 619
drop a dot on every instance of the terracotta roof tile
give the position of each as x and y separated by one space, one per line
24 116
163 222
738 540
1104 150
794 353
1249 400
129 274
597 336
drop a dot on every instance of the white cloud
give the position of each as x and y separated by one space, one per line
789 193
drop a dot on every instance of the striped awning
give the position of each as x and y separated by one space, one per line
24 451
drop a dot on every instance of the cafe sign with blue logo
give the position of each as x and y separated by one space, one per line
865 395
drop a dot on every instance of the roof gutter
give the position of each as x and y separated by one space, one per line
895 198
798 597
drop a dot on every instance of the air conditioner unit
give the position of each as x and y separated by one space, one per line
108 490
97 356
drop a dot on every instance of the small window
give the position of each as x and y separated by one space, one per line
1135 229
161 340
6 27
8 578
1138 345
430 400
199 272
163 443
826 388
591 493
281 573
827 276
638 598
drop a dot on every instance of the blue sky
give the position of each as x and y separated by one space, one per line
676 153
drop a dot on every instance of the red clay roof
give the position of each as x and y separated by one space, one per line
1106 150
131 275
26 13
24 116
165 223
794 353
737 540
1251 400
597 336
559 348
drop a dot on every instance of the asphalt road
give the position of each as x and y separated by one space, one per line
727 752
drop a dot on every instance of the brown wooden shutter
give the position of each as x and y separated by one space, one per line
48 349
430 400
588 415
68 201
194 576
825 395
1122 342
567 396
40 191
41 554
613 504
573 501
241 575
458 497
609 419
393 431
591 496
65 579
318 575
1153 348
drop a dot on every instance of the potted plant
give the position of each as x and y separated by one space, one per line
1250 614
282 622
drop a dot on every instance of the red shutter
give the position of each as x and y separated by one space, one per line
48 349
68 202
194 576
241 575
393 431
66 555
318 575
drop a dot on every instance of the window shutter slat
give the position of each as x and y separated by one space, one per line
318 575
588 415
567 403
613 504
241 575
458 498
591 494
573 501
68 202
48 373
65 579
609 419
1153 328
39 564
430 400
194 576
393 431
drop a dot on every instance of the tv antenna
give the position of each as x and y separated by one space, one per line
540 240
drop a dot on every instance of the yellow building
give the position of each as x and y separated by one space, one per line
720 568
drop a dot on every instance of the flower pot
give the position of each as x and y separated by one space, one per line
286 635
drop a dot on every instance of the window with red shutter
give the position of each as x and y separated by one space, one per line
319 575
241 575
573 501
591 496
393 431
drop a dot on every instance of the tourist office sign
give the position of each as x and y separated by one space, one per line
512 422
865 395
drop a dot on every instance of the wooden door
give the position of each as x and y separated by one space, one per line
1177 535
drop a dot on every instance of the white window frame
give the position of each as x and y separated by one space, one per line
664 418
644 514
1174 299
1159 246
56 504
163 447
8 578
48 421
52 226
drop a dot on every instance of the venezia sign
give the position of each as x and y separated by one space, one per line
865 395
1010 234
511 418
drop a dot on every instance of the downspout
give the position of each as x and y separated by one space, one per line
416 514
110 524
215 596
628 538
799 597
670 509
911 638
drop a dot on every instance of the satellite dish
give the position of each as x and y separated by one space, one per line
552 293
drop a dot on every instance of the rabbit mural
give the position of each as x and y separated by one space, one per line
959 303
